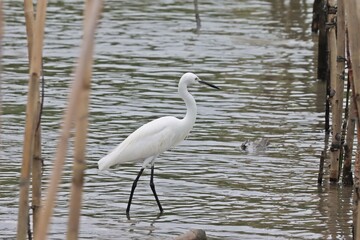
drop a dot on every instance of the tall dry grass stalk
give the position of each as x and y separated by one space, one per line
29 20
37 161
76 96
91 13
31 118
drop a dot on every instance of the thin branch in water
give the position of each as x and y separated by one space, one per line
197 15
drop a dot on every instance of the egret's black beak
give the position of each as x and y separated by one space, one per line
209 84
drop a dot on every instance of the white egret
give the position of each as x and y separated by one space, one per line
155 137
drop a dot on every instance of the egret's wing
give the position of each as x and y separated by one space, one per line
149 140
152 138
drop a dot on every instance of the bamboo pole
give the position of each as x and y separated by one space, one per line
348 148
336 100
71 114
322 45
316 16
81 125
31 119
340 73
352 11
350 134
350 111
351 120
354 44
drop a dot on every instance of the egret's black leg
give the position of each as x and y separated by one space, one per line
132 191
152 186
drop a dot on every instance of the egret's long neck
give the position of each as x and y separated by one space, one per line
190 103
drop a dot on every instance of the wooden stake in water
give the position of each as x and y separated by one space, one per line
351 120
340 75
31 119
322 44
336 90
197 15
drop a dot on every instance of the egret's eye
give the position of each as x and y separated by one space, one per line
197 79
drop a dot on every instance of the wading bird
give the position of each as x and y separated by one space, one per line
155 137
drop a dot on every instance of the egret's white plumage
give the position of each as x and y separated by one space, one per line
147 141
155 137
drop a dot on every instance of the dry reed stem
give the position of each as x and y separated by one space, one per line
37 162
29 20
81 132
31 119
69 118
36 176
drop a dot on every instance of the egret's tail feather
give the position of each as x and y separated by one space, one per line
106 162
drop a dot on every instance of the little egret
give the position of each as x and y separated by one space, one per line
155 137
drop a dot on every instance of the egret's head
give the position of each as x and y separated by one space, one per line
190 78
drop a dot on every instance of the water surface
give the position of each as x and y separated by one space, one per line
261 53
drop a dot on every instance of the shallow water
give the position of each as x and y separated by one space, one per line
261 53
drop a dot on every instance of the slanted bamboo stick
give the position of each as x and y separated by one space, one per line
351 119
69 118
81 126
31 119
